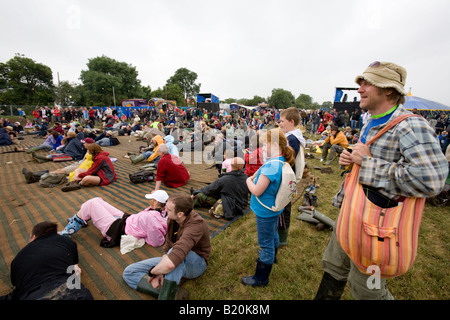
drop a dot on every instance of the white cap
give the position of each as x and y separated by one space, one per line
159 195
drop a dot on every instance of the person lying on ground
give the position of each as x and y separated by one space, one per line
85 163
149 224
72 150
52 142
47 268
187 249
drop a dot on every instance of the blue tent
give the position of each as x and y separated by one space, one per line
424 104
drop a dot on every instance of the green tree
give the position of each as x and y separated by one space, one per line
304 101
281 99
327 105
104 74
25 82
186 81
170 92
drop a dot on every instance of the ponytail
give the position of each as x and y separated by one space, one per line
289 155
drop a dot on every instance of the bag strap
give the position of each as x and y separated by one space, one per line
258 198
392 124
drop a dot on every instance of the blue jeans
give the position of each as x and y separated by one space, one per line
268 239
192 267
147 154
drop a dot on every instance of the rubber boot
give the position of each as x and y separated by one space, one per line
145 287
75 224
261 276
330 288
283 234
138 158
39 158
31 150
168 290
32 177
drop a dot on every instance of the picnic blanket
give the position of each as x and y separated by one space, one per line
23 205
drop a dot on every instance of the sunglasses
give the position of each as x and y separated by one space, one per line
376 64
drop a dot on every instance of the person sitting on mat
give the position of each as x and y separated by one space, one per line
187 249
231 188
72 150
101 172
170 171
149 224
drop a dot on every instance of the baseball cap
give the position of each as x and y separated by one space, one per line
385 75
88 140
158 195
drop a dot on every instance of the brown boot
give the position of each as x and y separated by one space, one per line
74 185
32 177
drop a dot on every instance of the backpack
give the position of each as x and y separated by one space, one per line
300 163
141 176
50 180
287 190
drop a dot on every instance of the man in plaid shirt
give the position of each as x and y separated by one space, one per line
404 162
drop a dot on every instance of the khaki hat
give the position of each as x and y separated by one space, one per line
385 75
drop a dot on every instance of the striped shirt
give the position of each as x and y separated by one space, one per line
406 161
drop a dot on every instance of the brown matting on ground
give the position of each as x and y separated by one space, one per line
23 205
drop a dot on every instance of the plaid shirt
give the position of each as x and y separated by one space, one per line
406 161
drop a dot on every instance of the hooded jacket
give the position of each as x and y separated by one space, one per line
173 150
74 148
159 140
340 139
5 139
101 167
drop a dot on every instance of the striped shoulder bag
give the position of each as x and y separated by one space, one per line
374 236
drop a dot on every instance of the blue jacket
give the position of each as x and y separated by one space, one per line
5 139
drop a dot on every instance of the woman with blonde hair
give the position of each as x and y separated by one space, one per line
264 184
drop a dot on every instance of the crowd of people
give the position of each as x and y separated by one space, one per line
248 161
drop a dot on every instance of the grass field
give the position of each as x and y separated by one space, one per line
298 272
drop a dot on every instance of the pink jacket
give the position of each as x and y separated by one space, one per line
148 224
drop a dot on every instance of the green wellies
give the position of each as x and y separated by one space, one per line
168 290
138 158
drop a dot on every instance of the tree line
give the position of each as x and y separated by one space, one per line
107 81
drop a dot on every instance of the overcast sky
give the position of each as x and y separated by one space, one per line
238 48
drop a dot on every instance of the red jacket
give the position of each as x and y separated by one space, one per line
253 161
171 171
103 168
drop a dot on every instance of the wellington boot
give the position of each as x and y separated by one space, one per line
330 288
31 150
75 224
137 159
283 234
145 287
39 158
168 290
261 276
